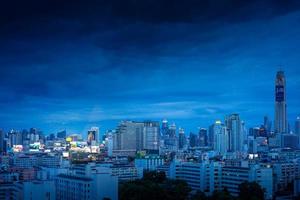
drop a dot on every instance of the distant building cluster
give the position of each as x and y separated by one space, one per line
224 155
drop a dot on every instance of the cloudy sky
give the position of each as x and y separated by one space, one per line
75 64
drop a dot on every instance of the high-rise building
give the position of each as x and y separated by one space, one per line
87 182
280 122
33 135
236 133
172 130
202 137
210 139
164 127
193 140
267 125
15 138
181 138
221 144
93 135
171 140
62 134
254 131
129 136
151 135
297 126
2 147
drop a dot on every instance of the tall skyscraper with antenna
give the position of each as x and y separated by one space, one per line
280 122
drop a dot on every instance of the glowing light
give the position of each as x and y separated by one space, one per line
218 122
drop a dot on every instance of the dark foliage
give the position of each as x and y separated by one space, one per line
154 185
251 191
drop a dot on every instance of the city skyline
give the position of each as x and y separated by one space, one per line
289 126
75 69
150 100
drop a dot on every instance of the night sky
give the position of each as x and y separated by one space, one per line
75 64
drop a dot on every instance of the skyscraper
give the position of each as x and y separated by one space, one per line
129 136
181 138
93 135
211 135
164 127
297 126
280 122
202 137
2 147
267 124
221 137
193 140
236 133
172 130
151 135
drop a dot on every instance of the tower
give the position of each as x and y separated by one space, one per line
181 139
280 121
164 127
221 137
151 135
202 137
236 133
2 146
297 126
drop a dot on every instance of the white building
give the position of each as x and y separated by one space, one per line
36 190
233 176
203 176
213 176
221 138
25 161
87 181
151 135
149 163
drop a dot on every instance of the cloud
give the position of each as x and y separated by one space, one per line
75 63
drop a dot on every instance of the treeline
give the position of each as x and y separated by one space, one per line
155 186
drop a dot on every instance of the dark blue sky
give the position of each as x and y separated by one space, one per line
74 64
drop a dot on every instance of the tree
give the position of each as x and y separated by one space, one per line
222 195
155 176
176 189
251 191
199 195
154 185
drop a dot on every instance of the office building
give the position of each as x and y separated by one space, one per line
290 141
297 126
172 130
280 121
151 136
149 163
11 191
86 182
233 176
2 143
164 127
181 138
129 136
61 134
37 190
93 136
202 137
193 140
267 124
236 133
204 176
221 137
